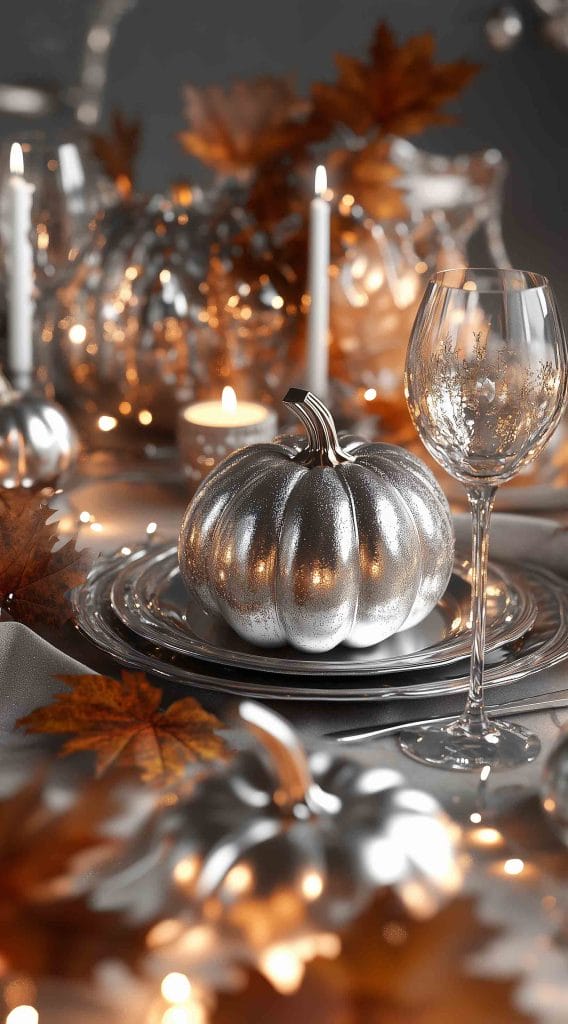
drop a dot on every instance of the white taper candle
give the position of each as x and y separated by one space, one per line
20 358
318 287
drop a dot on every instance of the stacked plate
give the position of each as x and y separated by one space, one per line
136 608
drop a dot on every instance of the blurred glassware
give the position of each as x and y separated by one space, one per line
379 269
87 96
450 199
167 302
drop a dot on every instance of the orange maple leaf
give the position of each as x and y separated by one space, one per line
35 575
399 90
248 123
121 722
117 150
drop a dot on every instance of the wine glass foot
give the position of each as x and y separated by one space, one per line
457 748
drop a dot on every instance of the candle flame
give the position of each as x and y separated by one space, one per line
16 159
320 183
228 399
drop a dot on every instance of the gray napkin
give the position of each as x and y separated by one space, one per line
28 665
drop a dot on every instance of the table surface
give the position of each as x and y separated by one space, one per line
125 505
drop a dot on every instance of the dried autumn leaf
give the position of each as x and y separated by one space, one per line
121 722
391 970
117 150
35 575
236 129
399 90
50 856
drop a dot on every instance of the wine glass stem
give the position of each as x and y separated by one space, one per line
481 503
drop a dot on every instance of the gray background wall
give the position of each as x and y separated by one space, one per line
519 102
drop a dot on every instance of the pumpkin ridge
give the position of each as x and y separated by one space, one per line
228 515
378 471
276 575
213 539
345 484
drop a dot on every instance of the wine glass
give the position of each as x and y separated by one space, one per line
486 383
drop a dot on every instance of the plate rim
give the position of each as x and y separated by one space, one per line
556 646
261 662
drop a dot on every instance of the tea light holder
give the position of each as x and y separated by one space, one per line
208 431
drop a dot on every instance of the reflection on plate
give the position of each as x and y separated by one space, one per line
149 597
545 645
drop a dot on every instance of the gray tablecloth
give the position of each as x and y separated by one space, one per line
28 664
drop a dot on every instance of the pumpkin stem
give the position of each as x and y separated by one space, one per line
324 448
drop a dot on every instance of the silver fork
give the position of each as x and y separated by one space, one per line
545 701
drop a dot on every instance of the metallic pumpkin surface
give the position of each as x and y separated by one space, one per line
38 442
314 543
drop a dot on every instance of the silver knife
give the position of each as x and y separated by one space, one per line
554 699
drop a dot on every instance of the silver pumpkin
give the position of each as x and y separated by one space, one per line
316 543
38 442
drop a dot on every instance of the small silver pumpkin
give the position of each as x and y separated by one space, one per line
38 442
314 543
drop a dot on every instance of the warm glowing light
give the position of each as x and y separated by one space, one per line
348 199
178 1015
239 879
486 836
77 334
16 161
405 290
475 817
131 273
165 276
186 870
514 866
470 286
370 394
126 551
485 772
277 302
151 528
23 1015
283 968
163 933
125 408
421 267
228 399
312 885
107 423
97 527
374 279
549 804
145 417
176 987
320 182
85 517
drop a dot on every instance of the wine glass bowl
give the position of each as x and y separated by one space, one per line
486 384
489 385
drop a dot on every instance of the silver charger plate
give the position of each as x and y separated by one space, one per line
544 646
150 599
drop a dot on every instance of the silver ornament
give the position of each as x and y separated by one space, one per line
38 442
316 834
315 543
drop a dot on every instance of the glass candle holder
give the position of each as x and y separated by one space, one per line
209 431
